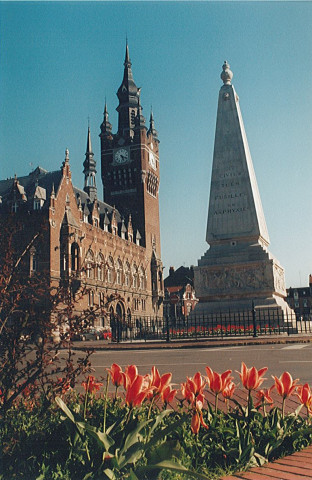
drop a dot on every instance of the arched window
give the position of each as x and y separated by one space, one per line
100 268
63 258
74 251
91 298
118 272
90 264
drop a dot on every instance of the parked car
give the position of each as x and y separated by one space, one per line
88 334
105 333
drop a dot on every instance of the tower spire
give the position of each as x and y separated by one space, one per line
106 127
127 94
89 170
152 130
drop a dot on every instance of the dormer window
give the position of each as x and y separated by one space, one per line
38 203
95 222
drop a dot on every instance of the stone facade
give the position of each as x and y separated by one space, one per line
109 249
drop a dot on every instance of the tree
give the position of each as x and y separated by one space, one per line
32 309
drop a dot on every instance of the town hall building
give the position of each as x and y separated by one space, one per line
111 248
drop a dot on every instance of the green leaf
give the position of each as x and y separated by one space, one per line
165 451
174 467
133 436
133 475
89 475
110 474
102 439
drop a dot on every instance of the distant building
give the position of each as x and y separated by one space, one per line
300 300
110 247
180 298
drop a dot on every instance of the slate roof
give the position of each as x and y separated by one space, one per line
39 177
40 182
180 277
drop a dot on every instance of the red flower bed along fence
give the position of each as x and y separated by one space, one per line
244 323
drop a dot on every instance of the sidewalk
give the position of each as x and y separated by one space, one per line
215 342
297 466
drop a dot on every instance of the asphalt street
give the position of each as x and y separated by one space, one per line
295 358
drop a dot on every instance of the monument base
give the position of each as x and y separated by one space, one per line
240 277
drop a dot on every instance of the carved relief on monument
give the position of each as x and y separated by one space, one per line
279 279
234 279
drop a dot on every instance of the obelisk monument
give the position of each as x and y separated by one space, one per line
237 270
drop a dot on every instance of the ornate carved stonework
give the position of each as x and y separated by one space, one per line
235 279
279 279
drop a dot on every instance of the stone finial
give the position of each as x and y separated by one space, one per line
66 155
227 74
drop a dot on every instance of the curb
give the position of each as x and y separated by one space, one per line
201 343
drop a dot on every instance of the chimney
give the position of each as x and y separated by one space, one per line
171 271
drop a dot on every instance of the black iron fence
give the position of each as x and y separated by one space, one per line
251 323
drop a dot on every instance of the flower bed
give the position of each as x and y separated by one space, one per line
148 429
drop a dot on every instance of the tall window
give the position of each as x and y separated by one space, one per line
90 264
74 251
33 260
91 298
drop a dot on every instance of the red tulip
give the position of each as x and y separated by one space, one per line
116 374
305 396
159 383
264 396
131 372
285 385
197 420
193 389
216 381
136 391
91 385
228 390
168 394
251 377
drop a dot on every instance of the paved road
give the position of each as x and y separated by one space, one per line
296 358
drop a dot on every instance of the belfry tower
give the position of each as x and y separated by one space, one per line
237 270
130 168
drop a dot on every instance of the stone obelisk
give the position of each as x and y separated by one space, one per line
237 270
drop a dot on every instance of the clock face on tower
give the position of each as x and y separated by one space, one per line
152 160
121 156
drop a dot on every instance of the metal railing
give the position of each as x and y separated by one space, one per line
252 323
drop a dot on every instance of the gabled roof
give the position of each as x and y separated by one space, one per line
180 277
37 181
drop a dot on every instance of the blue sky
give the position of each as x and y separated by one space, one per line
60 60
